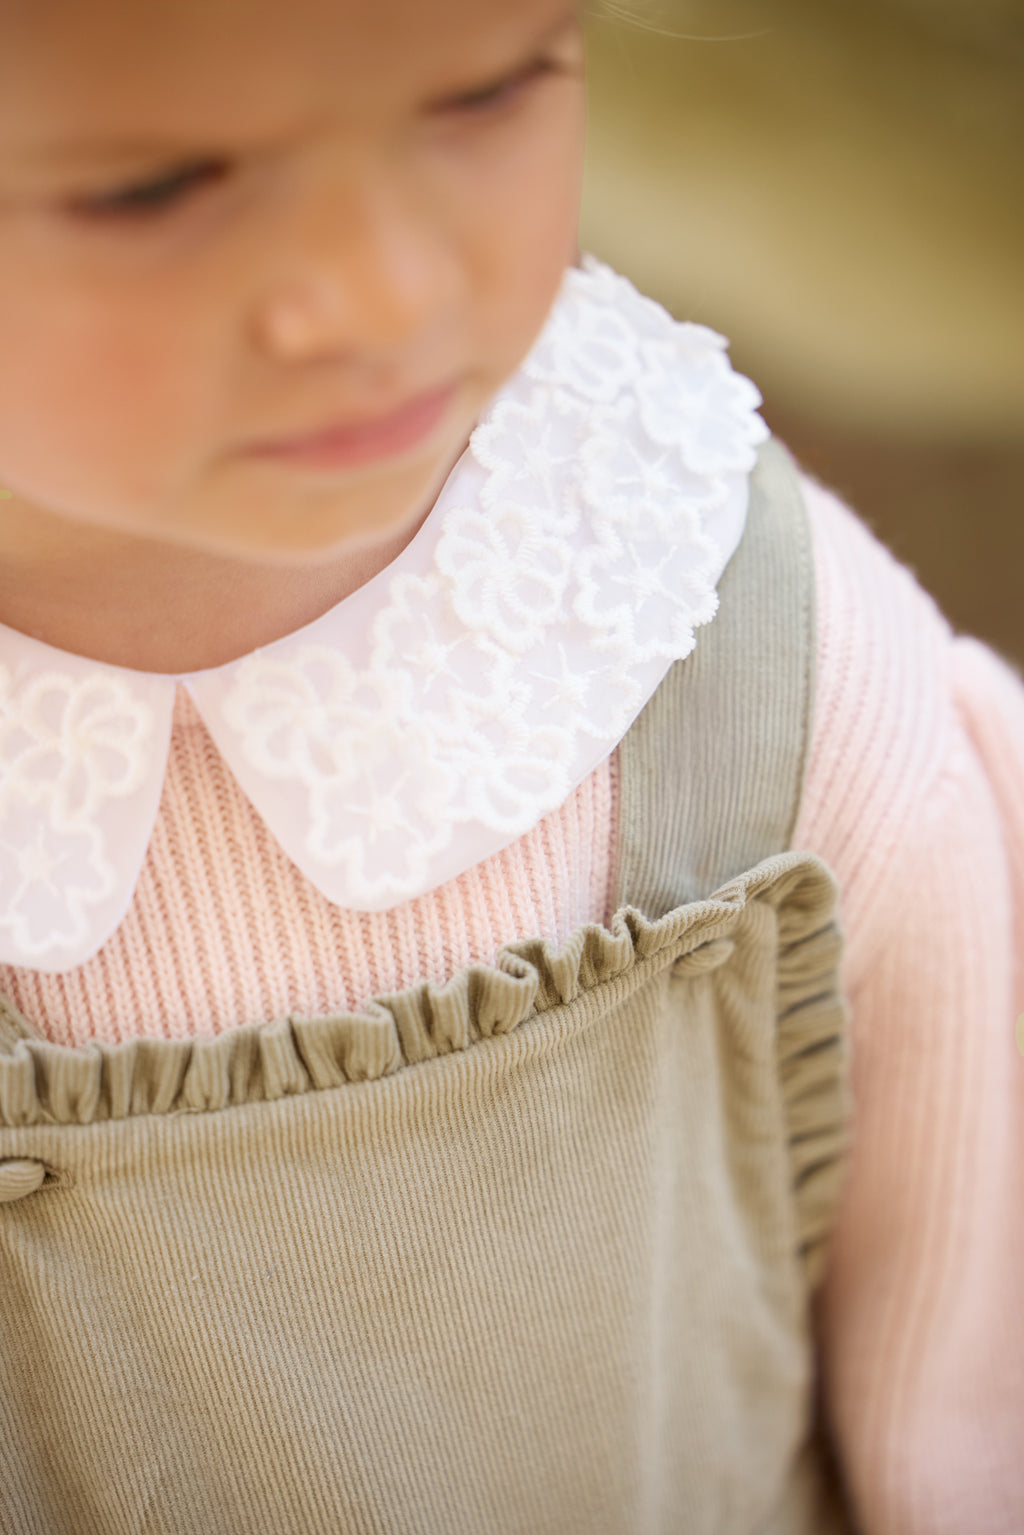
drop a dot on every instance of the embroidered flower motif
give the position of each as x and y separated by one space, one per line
74 742
691 398
581 693
302 717
455 674
513 770
51 873
388 816
620 474
649 593
528 448
507 574
602 285
588 348
69 745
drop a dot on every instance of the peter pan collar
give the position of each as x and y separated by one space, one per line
444 708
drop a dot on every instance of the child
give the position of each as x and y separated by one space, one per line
422 1089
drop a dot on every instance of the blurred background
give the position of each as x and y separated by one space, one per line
838 186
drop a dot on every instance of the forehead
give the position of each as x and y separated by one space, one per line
108 69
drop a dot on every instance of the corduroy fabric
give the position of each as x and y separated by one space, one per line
727 734
530 1252
528 1283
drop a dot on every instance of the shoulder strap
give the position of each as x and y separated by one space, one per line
711 771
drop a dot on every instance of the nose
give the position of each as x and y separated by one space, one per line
362 269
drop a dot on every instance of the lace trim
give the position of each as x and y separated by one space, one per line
570 564
75 747
447 706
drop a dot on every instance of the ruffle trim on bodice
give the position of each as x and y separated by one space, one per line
46 1084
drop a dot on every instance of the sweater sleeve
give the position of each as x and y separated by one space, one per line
915 798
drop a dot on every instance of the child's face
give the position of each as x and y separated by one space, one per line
338 220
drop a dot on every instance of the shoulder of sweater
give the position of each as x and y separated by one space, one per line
989 695
885 724
884 707
892 674
913 724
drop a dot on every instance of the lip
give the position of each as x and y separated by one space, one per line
360 442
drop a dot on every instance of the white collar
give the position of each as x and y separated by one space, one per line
444 708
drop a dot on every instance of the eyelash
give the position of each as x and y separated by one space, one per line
491 97
149 199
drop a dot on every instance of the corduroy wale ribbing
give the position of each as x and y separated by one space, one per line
529 1252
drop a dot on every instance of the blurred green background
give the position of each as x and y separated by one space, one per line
838 186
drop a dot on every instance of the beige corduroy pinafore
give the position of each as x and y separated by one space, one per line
530 1252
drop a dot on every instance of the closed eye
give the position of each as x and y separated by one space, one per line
144 199
501 92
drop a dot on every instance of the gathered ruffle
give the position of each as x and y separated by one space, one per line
42 1083
812 1052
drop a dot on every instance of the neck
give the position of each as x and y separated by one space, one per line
156 608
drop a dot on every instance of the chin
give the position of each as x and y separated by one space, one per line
312 536
317 521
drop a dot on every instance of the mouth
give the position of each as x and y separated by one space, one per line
351 443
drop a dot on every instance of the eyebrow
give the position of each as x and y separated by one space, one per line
90 153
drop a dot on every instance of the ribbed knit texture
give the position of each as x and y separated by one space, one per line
224 930
915 798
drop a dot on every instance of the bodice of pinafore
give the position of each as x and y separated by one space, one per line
529 1252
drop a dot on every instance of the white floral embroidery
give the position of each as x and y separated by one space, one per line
74 742
302 717
690 398
588 348
388 816
447 706
461 675
510 768
580 561
641 572
51 874
618 475
68 745
508 575
528 449
595 698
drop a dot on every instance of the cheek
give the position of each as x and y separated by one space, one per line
87 405
525 230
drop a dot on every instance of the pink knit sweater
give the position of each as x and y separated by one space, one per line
915 799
